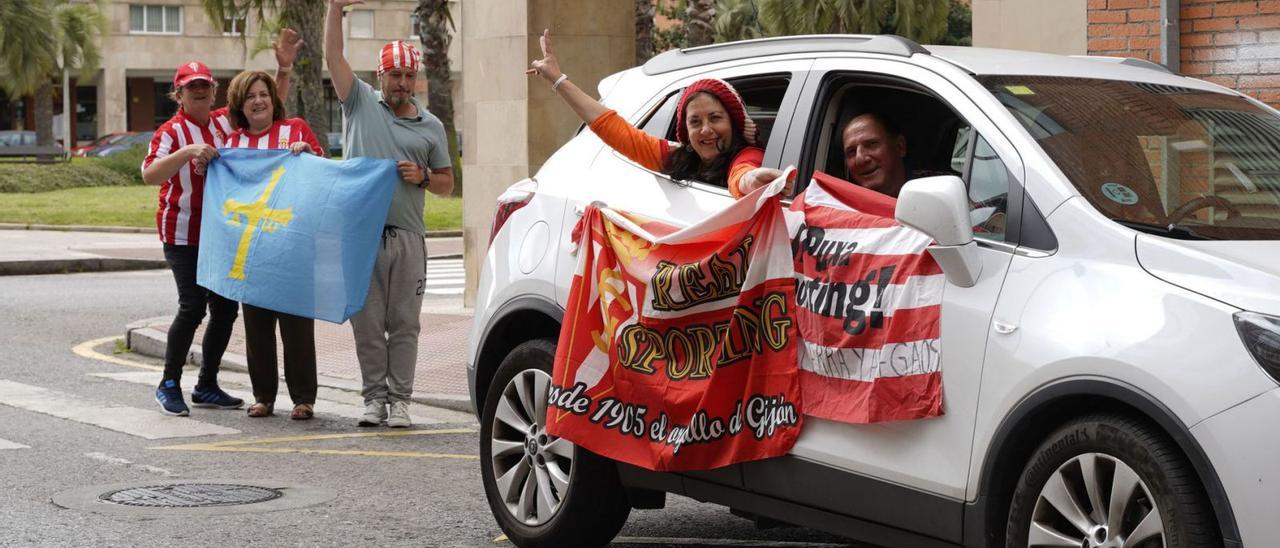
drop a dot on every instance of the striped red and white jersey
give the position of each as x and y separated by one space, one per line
281 134
178 211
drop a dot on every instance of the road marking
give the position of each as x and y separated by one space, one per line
676 541
325 406
6 444
86 350
148 424
103 457
255 446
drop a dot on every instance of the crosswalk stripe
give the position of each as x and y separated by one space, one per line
148 424
323 407
434 282
6 444
447 291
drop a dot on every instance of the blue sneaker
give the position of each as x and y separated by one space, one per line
169 396
214 397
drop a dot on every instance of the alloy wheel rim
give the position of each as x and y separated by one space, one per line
1095 501
531 468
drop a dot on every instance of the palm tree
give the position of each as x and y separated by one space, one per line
698 24
737 20
645 13
435 31
40 39
920 20
306 89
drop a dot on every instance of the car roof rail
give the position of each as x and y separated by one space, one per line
887 44
1131 61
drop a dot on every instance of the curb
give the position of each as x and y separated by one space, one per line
70 266
140 230
141 338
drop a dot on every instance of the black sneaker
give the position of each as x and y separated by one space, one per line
214 397
169 396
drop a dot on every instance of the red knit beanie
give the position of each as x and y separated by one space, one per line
723 92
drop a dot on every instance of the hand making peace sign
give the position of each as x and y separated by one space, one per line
547 67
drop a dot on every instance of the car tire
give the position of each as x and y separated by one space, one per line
543 490
1126 465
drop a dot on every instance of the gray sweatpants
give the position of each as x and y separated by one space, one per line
386 329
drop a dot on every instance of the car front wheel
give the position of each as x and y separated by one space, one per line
543 490
1107 481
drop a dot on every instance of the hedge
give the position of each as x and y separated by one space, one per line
119 170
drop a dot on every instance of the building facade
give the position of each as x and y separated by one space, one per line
146 40
1235 43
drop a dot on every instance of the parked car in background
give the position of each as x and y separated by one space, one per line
335 144
130 140
108 139
17 137
1110 343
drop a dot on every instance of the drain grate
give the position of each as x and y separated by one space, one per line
191 495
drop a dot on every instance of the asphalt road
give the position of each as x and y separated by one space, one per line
75 417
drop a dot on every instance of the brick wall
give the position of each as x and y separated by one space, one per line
1230 42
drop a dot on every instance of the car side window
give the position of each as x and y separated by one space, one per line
660 121
988 182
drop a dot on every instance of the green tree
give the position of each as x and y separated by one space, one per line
39 39
435 30
306 98
674 36
920 20
737 20
959 25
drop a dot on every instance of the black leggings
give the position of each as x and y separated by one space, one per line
192 301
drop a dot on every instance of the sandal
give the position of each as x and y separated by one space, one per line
262 409
302 412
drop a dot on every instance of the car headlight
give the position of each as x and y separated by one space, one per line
1261 336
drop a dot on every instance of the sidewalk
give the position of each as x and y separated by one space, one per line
441 378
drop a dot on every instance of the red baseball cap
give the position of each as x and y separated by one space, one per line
194 70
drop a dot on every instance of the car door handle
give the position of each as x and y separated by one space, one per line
1003 328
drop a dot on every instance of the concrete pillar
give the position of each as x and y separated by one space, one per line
1051 26
512 122
113 97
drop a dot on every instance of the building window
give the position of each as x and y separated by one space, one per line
361 23
234 26
413 26
155 19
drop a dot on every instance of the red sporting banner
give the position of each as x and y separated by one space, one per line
678 350
868 307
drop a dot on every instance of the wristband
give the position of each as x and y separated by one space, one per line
556 85
286 70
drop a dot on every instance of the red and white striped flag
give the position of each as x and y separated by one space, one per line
868 308
678 350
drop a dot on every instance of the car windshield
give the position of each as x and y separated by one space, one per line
1173 161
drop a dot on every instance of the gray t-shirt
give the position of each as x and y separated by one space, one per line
374 131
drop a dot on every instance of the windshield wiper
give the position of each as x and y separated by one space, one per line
1176 231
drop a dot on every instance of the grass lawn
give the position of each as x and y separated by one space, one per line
136 206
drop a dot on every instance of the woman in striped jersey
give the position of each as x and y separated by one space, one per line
258 115
179 152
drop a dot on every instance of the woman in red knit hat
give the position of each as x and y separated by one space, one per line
712 130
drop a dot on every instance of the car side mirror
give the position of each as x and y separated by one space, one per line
939 207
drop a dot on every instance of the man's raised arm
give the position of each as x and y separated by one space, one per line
339 70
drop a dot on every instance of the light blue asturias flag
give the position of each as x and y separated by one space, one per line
294 234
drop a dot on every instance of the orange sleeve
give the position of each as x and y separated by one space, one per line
747 160
640 147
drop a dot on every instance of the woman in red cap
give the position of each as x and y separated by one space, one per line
179 152
257 112
712 131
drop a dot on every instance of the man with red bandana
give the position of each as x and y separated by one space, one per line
390 123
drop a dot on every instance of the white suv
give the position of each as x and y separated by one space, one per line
1112 345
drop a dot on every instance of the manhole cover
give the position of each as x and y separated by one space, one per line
191 495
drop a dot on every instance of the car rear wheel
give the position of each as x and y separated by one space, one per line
543 490
1107 481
